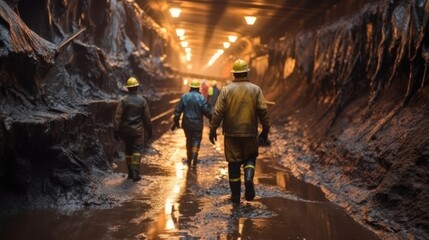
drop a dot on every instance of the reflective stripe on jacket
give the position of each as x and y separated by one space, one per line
240 105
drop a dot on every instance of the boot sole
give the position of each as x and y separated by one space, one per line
249 193
235 200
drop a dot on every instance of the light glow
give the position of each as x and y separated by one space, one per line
180 32
226 44
175 12
188 50
184 44
188 57
232 38
250 20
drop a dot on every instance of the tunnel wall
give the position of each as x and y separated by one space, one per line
57 103
356 92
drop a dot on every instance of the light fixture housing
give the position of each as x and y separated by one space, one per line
250 20
180 32
232 38
188 57
226 44
184 44
175 12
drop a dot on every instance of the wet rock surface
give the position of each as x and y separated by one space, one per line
351 103
57 101
177 201
352 98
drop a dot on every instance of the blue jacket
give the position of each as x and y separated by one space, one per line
193 106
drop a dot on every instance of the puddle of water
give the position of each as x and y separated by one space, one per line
273 174
309 216
182 202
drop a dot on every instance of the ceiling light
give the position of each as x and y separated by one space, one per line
226 44
250 20
175 12
188 50
188 57
184 44
232 38
180 32
220 51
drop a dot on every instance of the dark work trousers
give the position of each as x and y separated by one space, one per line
193 142
134 146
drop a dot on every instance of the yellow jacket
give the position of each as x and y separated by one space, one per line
240 105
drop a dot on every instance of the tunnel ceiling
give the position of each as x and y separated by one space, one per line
208 23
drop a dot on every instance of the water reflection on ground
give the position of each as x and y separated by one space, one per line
177 201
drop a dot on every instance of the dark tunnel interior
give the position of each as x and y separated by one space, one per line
346 84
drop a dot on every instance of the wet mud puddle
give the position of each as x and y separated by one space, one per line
177 201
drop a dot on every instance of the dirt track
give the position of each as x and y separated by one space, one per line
176 201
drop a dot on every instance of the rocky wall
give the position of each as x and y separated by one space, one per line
58 101
356 93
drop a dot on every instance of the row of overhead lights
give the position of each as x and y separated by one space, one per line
180 32
175 13
219 52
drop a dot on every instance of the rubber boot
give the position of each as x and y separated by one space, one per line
235 191
188 155
135 167
195 155
128 161
249 172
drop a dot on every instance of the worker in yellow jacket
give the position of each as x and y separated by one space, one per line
240 106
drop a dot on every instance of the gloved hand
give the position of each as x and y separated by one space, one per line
149 134
213 136
263 137
116 136
174 126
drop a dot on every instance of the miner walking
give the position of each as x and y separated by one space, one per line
240 105
213 94
132 119
193 106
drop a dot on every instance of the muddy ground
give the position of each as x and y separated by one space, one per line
178 201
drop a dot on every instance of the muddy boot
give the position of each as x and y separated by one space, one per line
128 161
188 157
235 191
135 167
249 172
194 158
188 154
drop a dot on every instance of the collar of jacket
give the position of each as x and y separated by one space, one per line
242 79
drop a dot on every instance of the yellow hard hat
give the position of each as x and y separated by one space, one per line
132 82
240 66
214 82
195 84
